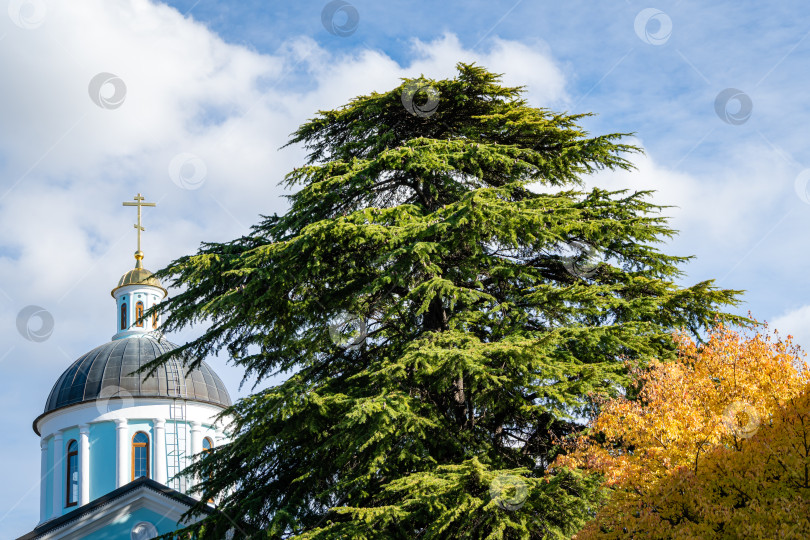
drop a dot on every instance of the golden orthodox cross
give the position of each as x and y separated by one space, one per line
139 203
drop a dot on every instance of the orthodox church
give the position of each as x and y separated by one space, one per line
112 441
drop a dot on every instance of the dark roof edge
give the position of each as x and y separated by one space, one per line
173 398
89 507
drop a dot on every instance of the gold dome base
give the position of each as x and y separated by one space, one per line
139 276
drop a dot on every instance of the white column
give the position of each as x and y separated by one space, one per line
196 447
58 477
84 464
43 468
122 452
160 451
196 439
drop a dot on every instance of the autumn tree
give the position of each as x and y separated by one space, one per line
715 444
443 300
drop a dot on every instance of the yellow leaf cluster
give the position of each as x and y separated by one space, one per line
726 410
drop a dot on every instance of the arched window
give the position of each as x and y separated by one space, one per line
72 488
208 445
154 320
140 455
123 316
139 314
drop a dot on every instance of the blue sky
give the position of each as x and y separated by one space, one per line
214 88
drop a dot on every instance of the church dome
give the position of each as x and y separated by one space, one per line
138 276
107 372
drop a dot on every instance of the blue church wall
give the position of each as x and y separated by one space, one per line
103 455
68 435
210 432
102 459
140 425
122 528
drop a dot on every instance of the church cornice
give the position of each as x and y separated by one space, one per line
134 400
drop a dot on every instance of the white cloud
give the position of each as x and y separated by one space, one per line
520 65
796 323
714 207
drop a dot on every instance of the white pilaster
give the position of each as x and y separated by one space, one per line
84 464
58 476
43 468
196 445
122 452
196 438
160 451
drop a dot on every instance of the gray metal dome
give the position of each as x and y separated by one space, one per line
107 372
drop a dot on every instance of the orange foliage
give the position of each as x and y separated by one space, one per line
716 445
